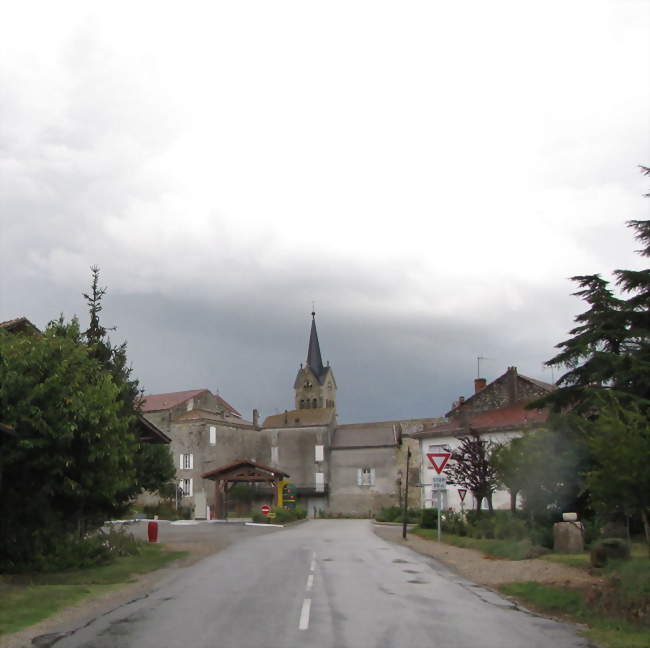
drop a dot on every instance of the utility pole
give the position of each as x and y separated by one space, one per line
406 493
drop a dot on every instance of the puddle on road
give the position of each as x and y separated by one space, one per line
328 559
399 560
411 571
417 581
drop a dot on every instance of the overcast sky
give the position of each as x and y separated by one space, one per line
429 173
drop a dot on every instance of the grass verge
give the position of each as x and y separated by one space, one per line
26 599
508 549
607 631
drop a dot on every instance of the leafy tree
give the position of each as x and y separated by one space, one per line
153 462
471 468
551 461
73 454
618 478
509 461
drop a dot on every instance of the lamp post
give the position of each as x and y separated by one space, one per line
406 493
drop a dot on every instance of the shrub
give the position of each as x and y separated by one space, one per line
609 549
396 514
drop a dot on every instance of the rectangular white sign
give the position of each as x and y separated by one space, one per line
439 483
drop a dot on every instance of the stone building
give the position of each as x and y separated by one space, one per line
495 412
346 469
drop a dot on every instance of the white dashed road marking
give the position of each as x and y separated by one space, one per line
304 615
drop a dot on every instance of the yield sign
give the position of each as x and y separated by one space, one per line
438 460
462 492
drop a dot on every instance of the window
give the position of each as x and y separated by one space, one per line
275 455
190 404
187 461
186 487
319 453
366 476
302 404
319 478
213 435
314 404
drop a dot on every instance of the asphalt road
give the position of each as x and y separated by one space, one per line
321 584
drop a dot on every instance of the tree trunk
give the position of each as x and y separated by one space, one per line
489 502
513 501
479 501
646 528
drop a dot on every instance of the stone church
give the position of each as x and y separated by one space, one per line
350 469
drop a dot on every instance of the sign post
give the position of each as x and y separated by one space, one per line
439 461
266 509
439 484
462 492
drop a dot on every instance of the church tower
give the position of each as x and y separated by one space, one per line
315 386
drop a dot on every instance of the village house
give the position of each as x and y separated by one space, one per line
496 412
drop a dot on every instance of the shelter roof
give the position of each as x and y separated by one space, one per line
245 470
503 419
301 418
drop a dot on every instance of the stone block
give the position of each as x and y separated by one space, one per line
568 537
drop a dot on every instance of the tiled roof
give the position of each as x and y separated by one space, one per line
300 418
156 402
18 324
201 414
505 418
366 435
227 406
151 433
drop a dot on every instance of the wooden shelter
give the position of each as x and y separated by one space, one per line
242 470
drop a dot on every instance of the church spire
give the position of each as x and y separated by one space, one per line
314 386
314 359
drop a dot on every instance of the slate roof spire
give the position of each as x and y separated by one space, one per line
314 359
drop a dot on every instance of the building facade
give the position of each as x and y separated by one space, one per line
496 413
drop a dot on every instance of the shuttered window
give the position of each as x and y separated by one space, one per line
187 487
213 435
365 476
187 462
319 478
319 453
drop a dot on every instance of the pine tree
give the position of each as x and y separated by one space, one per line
610 348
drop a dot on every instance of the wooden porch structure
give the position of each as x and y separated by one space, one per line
242 470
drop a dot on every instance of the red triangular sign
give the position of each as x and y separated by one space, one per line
462 492
438 460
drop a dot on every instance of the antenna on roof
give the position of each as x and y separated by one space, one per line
544 368
478 364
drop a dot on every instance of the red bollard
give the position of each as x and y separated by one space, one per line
152 530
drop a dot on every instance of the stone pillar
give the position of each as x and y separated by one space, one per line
568 537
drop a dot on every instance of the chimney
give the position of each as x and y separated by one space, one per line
479 383
461 400
512 385
256 419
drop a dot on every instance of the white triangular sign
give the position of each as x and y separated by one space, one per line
438 460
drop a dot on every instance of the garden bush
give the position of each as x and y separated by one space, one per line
396 514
